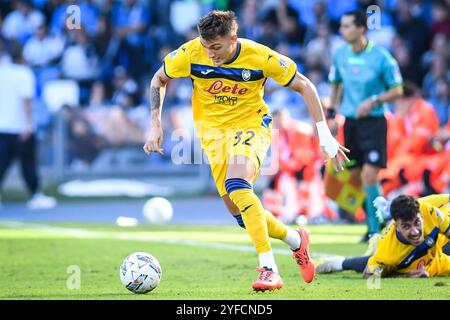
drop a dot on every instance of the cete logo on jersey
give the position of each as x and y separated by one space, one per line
218 87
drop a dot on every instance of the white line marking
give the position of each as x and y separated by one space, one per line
83 233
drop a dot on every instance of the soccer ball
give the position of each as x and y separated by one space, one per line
140 272
157 210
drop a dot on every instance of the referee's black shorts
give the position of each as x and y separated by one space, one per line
366 139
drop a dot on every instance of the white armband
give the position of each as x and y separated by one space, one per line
326 139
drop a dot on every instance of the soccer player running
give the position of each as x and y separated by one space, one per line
234 124
366 76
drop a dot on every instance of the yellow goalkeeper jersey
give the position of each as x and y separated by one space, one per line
229 95
395 254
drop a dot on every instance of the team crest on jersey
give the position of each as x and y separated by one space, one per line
173 54
246 74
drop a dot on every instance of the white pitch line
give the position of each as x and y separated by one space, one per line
83 233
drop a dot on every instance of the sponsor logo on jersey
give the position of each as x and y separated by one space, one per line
219 87
226 100
205 72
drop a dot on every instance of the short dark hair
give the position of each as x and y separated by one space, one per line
405 208
359 18
217 24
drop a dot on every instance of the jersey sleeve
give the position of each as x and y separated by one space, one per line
391 71
436 200
334 75
177 64
381 262
278 67
374 266
439 217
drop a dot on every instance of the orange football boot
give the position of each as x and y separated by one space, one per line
302 257
268 280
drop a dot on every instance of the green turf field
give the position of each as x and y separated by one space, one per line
198 262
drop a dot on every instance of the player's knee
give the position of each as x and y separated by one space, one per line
241 167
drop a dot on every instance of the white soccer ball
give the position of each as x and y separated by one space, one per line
157 210
140 272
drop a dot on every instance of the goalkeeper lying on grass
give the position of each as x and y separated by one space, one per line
415 244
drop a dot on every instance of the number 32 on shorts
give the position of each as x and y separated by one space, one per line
240 135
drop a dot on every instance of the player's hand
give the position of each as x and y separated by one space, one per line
154 141
339 159
364 109
419 273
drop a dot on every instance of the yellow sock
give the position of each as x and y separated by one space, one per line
275 227
252 211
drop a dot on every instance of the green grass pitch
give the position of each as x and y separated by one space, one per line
198 262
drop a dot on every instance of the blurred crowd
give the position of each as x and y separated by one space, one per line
111 50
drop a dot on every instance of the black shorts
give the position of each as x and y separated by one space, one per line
366 139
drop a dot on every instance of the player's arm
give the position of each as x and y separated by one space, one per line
379 263
157 93
387 96
419 273
392 79
438 215
330 147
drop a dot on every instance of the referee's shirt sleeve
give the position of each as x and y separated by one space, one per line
391 71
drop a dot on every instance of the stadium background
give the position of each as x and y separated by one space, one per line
95 125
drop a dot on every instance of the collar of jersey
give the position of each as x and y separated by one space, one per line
401 239
368 47
238 51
